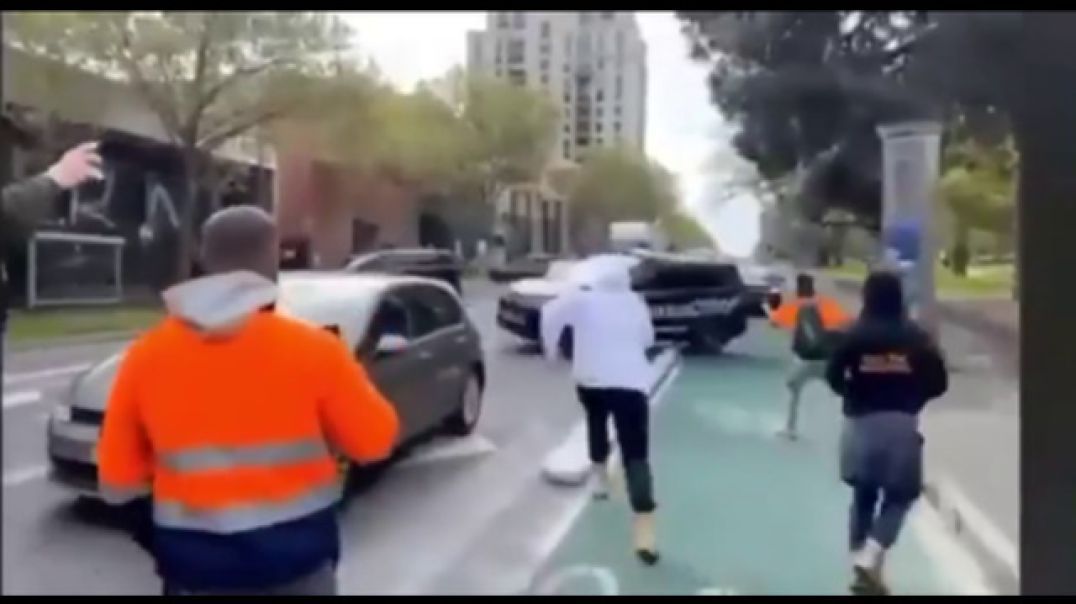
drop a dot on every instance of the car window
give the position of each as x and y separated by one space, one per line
422 316
653 275
391 318
431 309
446 307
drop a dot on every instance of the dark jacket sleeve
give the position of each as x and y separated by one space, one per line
931 371
837 368
26 202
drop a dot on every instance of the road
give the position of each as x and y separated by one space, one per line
741 512
474 516
460 515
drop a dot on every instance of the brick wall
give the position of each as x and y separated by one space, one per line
320 200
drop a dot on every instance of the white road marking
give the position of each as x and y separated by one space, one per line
15 378
569 464
564 524
980 525
602 576
948 555
15 478
20 398
473 446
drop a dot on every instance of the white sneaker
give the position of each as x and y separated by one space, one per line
599 481
867 564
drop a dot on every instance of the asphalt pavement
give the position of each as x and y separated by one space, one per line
474 515
440 519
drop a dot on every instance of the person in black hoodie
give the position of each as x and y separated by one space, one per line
886 370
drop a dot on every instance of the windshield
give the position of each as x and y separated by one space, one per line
327 301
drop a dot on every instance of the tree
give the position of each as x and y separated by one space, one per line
808 90
209 77
999 70
510 131
619 184
684 230
977 188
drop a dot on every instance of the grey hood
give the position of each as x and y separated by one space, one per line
220 303
213 305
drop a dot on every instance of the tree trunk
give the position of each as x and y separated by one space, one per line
185 240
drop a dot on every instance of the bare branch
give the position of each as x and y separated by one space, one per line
237 127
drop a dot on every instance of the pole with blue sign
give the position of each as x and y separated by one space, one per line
910 175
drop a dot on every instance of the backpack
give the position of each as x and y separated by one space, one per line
811 341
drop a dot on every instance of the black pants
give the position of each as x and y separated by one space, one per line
631 414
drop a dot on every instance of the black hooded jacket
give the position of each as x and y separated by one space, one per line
886 362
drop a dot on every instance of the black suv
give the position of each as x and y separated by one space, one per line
418 262
700 303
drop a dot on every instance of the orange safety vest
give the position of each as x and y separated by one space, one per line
237 433
833 316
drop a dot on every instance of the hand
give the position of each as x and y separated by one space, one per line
77 166
773 300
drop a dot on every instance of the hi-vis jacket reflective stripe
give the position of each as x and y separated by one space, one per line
235 434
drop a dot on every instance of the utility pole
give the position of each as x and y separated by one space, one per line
910 177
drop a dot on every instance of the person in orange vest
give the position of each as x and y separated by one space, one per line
814 321
228 415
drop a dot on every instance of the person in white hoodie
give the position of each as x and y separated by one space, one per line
612 333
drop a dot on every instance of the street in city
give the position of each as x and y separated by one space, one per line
740 511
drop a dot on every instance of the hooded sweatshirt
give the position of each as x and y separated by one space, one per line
228 414
887 369
611 329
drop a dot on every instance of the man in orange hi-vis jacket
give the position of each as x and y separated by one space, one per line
227 414
814 321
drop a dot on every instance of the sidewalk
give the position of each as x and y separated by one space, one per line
741 511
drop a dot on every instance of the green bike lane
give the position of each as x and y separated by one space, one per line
741 511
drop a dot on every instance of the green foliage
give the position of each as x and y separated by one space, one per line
684 230
978 187
620 184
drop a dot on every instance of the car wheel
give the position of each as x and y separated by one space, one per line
463 421
708 339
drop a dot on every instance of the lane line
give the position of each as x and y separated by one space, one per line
954 560
21 398
472 446
980 525
564 525
15 478
15 378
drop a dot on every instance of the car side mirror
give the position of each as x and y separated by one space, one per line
390 344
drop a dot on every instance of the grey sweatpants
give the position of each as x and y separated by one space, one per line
802 373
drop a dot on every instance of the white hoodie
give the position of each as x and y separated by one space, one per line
611 330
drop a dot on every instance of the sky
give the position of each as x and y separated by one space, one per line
684 132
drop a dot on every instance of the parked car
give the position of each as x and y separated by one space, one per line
443 265
528 267
703 304
412 334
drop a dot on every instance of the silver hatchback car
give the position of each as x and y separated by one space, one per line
412 334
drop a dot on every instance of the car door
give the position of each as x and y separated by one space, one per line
440 344
398 375
455 345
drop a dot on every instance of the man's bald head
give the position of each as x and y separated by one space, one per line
240 238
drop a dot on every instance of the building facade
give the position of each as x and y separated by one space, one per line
593 67
592 64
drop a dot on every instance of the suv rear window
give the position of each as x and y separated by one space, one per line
688 275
